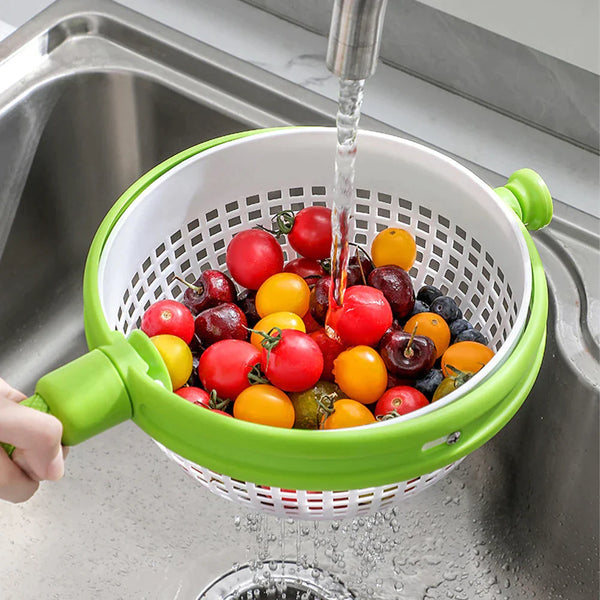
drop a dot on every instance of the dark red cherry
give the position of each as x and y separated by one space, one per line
397 287
405 354
210 289
222 322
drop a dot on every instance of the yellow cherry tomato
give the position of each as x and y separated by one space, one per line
177 357
468 357
432 326
348 413
361 374
266 405
283 292
283 320
394 246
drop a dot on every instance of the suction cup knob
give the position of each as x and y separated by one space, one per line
528 195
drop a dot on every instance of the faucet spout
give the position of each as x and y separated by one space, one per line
355 37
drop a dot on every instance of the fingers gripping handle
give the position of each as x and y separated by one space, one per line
36 402
90 394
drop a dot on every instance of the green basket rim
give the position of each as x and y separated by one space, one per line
325 460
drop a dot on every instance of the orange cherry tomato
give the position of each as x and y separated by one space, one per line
266 405
348 413
283 320
394 246
361 374
432 326
468 357
177 357
283 292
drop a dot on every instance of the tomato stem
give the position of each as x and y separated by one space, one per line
391 415
326 407
218 403
269 341
283 222
459 377
256 375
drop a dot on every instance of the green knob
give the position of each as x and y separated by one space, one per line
528 195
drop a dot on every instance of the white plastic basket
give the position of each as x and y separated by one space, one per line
469 245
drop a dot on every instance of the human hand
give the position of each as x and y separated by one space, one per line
38 453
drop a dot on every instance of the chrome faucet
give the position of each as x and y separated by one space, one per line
355 37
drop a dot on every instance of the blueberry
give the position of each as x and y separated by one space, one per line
458 326
428 293
419 307
429 382
472 335
446 308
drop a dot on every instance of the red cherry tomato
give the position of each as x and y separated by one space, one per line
401 399
311 233
310 270
222 412
224 367
202 398
195 395
168 317
253 256
294 363
363 318
330 349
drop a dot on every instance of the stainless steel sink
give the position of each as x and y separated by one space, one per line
92 95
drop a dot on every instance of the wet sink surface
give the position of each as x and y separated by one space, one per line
517 520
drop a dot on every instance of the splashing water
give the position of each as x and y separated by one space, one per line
348 116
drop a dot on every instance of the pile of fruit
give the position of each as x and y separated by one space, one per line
277 354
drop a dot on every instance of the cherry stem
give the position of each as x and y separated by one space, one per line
362 273
408 351
196 288
361 249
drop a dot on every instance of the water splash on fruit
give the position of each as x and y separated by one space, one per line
348 116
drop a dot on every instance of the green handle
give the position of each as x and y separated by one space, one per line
90 394
36 402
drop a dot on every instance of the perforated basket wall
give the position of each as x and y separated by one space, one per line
468 245
306 504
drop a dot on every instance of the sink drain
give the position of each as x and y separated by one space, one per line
276 580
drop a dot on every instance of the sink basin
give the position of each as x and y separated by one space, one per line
106 95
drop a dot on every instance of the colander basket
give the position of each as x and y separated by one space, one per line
177 220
